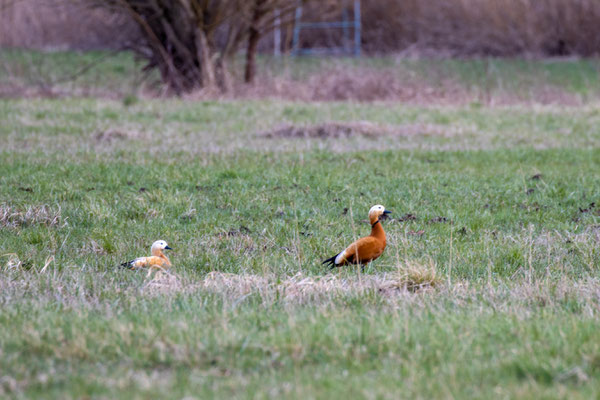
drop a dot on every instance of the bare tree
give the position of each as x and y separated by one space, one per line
179 38
191 42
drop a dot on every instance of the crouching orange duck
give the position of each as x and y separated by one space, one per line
365 249
158 259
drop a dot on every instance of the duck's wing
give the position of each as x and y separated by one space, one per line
139 262
145 262
362 251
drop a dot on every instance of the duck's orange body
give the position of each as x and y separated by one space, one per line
160 261
365 249
157 260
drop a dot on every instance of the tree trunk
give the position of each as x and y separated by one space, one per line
205 60
253 39
250 72
223 77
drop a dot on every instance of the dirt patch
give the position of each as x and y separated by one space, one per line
407 217
341 130
327 130
115 135
438 220
242 231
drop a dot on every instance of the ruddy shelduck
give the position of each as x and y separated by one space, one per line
158 259
365 249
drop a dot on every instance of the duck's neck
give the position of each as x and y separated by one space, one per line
377 231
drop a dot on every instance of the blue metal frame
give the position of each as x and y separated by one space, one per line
345 24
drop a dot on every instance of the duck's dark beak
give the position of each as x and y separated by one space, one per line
386 214
168 248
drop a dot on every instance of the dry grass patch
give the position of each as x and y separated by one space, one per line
298 288
415 283
162 282
366 84
363 84
414 275
417 287
94 247
12 261
13 217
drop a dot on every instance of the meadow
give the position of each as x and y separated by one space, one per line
489 286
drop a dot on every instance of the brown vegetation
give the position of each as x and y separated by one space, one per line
193 43
457 27
194 55
483 27
61 24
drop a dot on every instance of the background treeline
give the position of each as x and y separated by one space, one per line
454 27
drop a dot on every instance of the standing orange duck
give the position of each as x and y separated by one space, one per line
365 249
158 260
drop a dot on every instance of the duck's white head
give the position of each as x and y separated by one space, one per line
376 212
160 245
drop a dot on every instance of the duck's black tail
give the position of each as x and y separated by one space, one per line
331 261
128 264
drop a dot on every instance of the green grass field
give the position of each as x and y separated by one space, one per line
502 202
451 81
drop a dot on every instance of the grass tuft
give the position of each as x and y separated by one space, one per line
14 217
413 275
